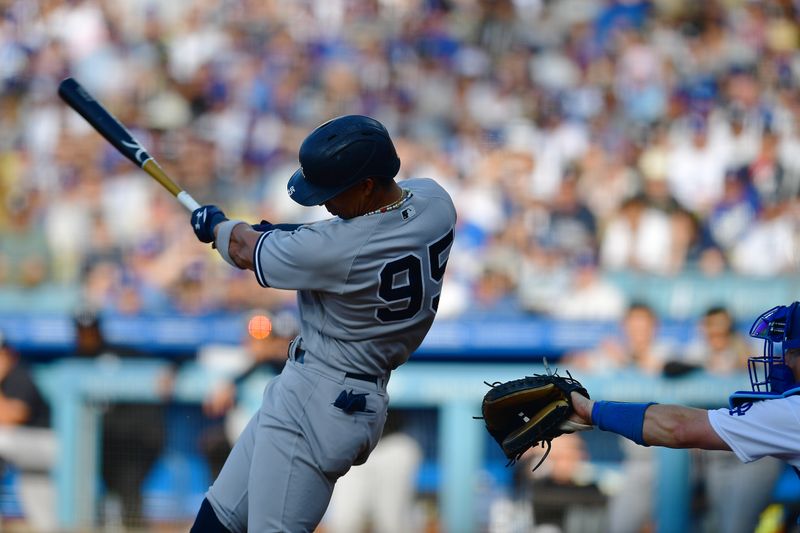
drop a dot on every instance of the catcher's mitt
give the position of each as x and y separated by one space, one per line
522 413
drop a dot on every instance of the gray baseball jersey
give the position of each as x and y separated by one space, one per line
368 287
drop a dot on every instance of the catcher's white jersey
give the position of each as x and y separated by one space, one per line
768 428
368 287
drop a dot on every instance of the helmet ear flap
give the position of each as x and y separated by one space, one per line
781 378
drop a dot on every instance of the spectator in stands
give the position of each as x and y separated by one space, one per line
607 180
737 210
741 130
768 171
563 490
223 404
637 238
26 440
494 291
24 255
560 143
720 348
189 295
571 226
696 165
133 433
768 247
653 164
693 249
543 278
589 296
636 345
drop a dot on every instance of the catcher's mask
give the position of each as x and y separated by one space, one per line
340 153
769 373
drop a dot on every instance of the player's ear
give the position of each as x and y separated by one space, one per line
368 186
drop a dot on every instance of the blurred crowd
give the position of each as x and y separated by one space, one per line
576 137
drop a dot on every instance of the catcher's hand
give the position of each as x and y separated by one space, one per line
522 413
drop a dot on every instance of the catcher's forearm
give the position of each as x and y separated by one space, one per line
622 418
677 426
672 426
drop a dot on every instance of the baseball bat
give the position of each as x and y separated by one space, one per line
120 138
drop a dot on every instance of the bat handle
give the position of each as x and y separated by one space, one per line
187 201
154 169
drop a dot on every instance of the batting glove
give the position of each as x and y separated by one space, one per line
205 219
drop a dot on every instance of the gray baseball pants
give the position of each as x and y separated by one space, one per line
280 474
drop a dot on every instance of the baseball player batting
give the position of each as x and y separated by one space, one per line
368 282
764 421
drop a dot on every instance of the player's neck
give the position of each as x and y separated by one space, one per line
385 198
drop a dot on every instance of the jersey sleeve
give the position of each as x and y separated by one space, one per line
307 258
768 428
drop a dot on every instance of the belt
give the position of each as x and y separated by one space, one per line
362 377
299 356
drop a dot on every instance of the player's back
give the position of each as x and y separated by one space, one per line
369 286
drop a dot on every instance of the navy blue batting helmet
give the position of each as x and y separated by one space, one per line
340 153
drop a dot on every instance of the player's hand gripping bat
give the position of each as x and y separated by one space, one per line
118 135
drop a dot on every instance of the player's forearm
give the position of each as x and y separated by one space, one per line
677 426
242 242
673 426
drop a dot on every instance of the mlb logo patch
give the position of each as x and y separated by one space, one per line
408 212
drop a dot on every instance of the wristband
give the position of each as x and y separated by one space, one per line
224 230
622 418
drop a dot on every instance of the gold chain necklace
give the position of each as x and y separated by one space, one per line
394 205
